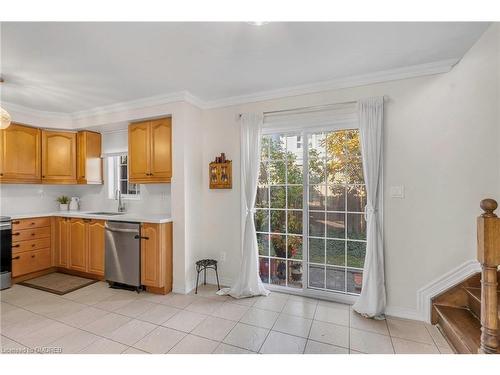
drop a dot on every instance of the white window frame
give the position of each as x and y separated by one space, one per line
112 170
306 291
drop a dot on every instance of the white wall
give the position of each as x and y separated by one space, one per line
441 143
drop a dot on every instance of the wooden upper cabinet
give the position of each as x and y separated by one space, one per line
78 245
20 154
89 162
150 151
138 151
95 257
58 157
161 149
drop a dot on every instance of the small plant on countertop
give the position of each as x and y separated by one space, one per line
63 199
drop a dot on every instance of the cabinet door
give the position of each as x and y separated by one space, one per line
96 247
139 152
20 154
161 150
62 242
78 245
89 162
58 157
151 256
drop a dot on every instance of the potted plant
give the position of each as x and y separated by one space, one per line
63 202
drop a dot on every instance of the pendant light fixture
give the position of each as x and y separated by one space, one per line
5 118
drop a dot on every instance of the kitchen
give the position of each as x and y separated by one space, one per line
74 241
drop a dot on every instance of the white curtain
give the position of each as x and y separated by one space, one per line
371 303
249 283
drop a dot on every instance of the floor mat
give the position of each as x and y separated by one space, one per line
58 283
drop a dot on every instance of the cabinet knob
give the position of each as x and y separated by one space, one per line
33 256
15 258
1 174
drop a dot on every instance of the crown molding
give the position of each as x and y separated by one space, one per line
182 96
70 120
27 111
413 71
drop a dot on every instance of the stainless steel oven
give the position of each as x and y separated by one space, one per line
6 252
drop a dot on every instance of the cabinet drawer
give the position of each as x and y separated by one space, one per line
22 246
30 234
30 223
30 261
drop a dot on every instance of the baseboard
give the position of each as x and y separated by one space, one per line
402 312
443 283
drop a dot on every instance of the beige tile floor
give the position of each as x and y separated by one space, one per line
97 319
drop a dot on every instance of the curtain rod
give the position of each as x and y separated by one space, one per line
310 107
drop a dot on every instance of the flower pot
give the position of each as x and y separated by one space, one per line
63 207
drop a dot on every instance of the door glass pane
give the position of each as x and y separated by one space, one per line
278 197
295 222
278 272
335 200
317 194
262 198
356 254
316 276
335 252
356 198
356 227
295 197
262 220
277 172
354 281
278 221
278 245
263 243
295 274
335 279
294 171
335 225
294 247
264 269
316 250
317 224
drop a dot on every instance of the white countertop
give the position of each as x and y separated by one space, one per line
133 217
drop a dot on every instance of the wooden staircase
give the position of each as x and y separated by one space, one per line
468 313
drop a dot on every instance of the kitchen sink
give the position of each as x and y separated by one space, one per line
106 213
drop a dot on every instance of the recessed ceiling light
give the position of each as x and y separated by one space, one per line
257 23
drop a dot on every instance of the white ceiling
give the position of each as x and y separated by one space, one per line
68 67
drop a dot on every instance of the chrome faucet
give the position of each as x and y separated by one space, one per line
121 205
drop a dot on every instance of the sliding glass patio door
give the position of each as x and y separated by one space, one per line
309 214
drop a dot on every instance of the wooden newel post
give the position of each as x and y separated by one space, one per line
488 254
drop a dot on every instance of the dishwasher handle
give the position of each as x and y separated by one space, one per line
121 230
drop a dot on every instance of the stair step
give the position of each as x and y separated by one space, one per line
461 327
474 296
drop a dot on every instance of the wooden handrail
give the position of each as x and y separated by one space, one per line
488 254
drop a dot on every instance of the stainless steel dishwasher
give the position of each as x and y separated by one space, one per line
123 255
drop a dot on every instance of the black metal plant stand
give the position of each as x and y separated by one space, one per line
203 265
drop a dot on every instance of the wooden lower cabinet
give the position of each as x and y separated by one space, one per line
95 260
31 246
62 242
156 256
80 245
78 236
